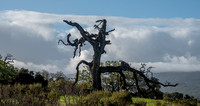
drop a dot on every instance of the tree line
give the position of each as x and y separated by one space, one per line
110 81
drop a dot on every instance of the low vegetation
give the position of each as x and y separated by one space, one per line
107 98
21 87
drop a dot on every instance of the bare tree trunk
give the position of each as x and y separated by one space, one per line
96 74
96 79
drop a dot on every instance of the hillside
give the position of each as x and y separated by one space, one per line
189 82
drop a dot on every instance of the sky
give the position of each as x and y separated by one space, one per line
162 34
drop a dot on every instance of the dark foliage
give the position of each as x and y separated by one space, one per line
25 77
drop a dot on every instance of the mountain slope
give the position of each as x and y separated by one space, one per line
189 82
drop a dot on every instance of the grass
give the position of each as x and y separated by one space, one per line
153 102
70 100
149 102
136 101
73 100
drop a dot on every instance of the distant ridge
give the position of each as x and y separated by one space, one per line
189 82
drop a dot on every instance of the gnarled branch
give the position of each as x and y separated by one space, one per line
98 41
77 43
84 33
117 69
147 80
77 69
126 67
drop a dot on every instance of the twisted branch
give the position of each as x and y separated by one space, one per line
117 69
147 80
96 40
126 67
77 43
77 69
84 33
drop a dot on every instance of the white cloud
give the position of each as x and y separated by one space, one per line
32 37
181 59
71 67
36 67
35 24
168 67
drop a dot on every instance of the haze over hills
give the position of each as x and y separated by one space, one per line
189 82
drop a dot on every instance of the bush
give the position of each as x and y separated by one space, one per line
22 94
97 97
188 102
120 98
178 98
140 103
108 98
53 96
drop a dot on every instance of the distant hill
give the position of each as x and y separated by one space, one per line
189 82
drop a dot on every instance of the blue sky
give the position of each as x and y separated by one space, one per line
127 8
161 33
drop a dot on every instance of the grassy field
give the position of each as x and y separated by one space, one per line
151 102
74 100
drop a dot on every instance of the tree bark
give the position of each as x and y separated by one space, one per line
96 74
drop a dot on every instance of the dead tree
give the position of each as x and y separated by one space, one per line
98 42
8 59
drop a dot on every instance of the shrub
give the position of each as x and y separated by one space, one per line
158 103
53 96
22 94
108 98
96 97
120 98
188 102
140 103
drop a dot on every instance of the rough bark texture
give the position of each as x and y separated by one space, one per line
98 42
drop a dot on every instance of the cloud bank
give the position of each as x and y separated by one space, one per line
167 44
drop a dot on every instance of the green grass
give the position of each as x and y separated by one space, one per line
154 102
149 102
72 100
136 101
